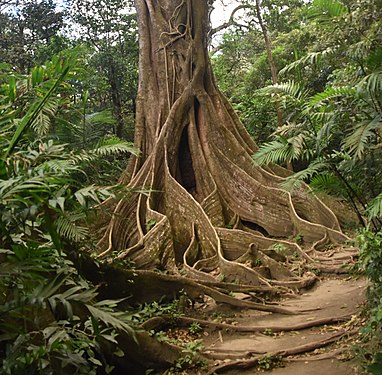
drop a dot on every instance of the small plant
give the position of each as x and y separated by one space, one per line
267 362
257 262
268 332
195 328
150 224
191 359
217 315
316 271
279 248
299 238
161 336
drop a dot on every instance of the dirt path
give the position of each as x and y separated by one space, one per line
320 349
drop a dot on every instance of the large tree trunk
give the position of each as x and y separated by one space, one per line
208 208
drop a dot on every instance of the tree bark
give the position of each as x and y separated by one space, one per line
208 207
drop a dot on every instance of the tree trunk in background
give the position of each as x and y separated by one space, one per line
268 46
208 208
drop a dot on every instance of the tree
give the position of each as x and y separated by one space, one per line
30 33
110 30
206 203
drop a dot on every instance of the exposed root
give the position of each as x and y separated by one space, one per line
249 363
318 357
163 321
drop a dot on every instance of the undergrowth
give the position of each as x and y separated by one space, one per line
370 264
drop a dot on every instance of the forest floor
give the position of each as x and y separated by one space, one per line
285 344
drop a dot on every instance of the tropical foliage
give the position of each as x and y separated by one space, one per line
50 319
67 102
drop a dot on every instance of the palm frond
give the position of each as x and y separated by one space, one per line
357 141
311 58
330 93
15 189
325 10
374 209
42 122
113 146
277 152
67 227
92 194
294 181
372 83
35 109
292 89
110 318
328 183
104 117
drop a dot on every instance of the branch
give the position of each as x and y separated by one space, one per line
231 20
